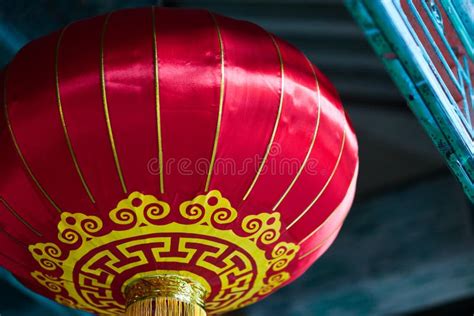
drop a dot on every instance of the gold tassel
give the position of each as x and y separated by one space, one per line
165 295
163 306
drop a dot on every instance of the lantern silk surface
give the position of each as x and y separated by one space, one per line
153 141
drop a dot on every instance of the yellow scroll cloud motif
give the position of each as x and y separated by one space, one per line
237 260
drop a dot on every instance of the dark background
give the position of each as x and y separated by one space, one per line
408 244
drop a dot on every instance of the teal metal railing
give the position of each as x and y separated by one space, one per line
427 49
461 79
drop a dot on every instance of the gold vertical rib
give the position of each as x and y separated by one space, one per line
221 102
157 100
106 106
333 211
313 140
318 228
322 243
14 261
63 121
18 241
325 185
277 120
18 217
18 150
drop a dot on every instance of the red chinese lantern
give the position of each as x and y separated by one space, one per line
161 161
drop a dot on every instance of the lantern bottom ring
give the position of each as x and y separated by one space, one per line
166 295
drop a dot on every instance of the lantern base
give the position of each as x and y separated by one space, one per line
165 295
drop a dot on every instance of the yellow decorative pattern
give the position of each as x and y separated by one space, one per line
208 209
237 260
263 227
52 283
282 255
274 282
